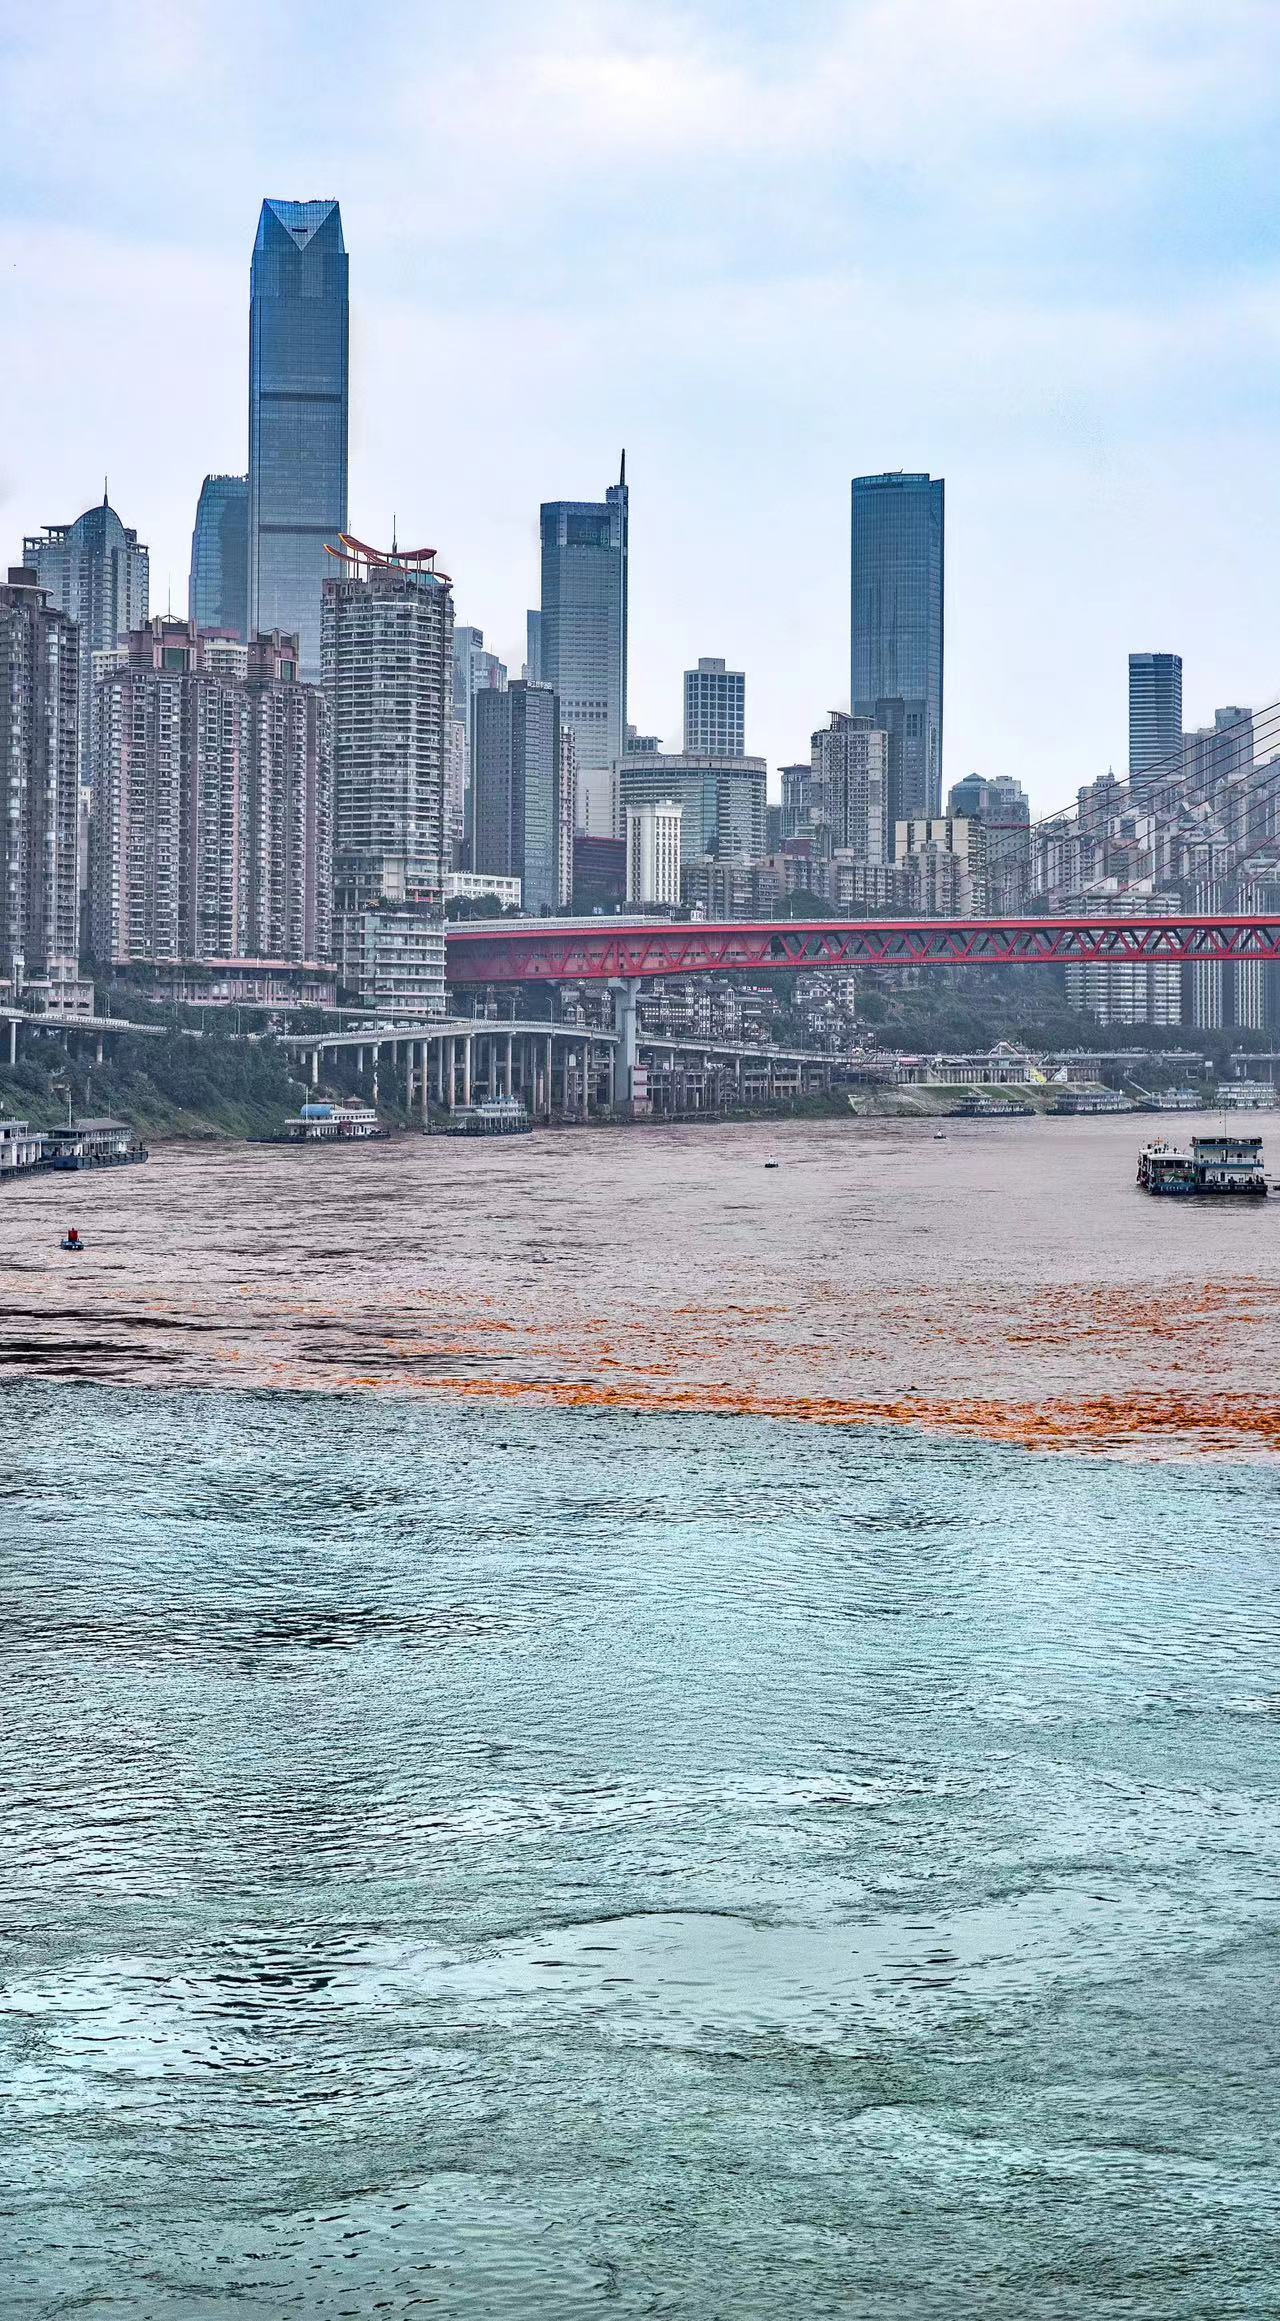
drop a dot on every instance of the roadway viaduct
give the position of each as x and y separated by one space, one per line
572 1069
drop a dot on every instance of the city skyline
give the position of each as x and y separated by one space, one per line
1080 405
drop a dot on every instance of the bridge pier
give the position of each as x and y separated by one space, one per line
13 1039
624 1055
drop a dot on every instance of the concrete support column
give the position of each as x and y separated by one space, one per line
550 1075
424 1051
451 1071
13 1039
624 1054
506 1068
315 1067
466 1069
586 1079
97 1053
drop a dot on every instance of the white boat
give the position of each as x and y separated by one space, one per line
334 1124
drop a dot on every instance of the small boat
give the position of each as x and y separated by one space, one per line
71 1240
939 1136
772 1164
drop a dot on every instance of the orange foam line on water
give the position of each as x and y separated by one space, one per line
1096 1422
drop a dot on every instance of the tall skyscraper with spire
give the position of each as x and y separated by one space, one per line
582 631
298 335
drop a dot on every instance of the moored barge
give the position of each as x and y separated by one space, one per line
1224 1164
93 1144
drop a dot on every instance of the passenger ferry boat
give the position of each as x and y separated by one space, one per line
497 1116
334 1124
1223 1164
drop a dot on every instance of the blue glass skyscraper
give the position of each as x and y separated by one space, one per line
297 416
218 589
897 583
583 640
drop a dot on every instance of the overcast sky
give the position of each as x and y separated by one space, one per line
1029 245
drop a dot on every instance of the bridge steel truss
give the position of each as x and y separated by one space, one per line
524 953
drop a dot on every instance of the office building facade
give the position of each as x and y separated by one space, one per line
653 852
213 803
897 596
722 799
40 795
218 586
1155 715
98 573
474 671
582 640
715 711
517 792
298 373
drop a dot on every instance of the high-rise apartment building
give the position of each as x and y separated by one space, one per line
1155 713
653 852
715 711
387 654
517 791
1215 757
723 799
39 793
850 786
943 863
213 802
582 631
218 587
897 565
297 416
96 571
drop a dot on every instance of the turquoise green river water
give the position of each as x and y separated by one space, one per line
507 1863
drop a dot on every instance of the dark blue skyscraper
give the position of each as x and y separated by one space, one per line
516 801
297 415
218 589
582 633
1155 713
897 576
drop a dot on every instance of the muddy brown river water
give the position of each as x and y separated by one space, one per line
1006 1280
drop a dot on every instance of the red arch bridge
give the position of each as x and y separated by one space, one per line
547 951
